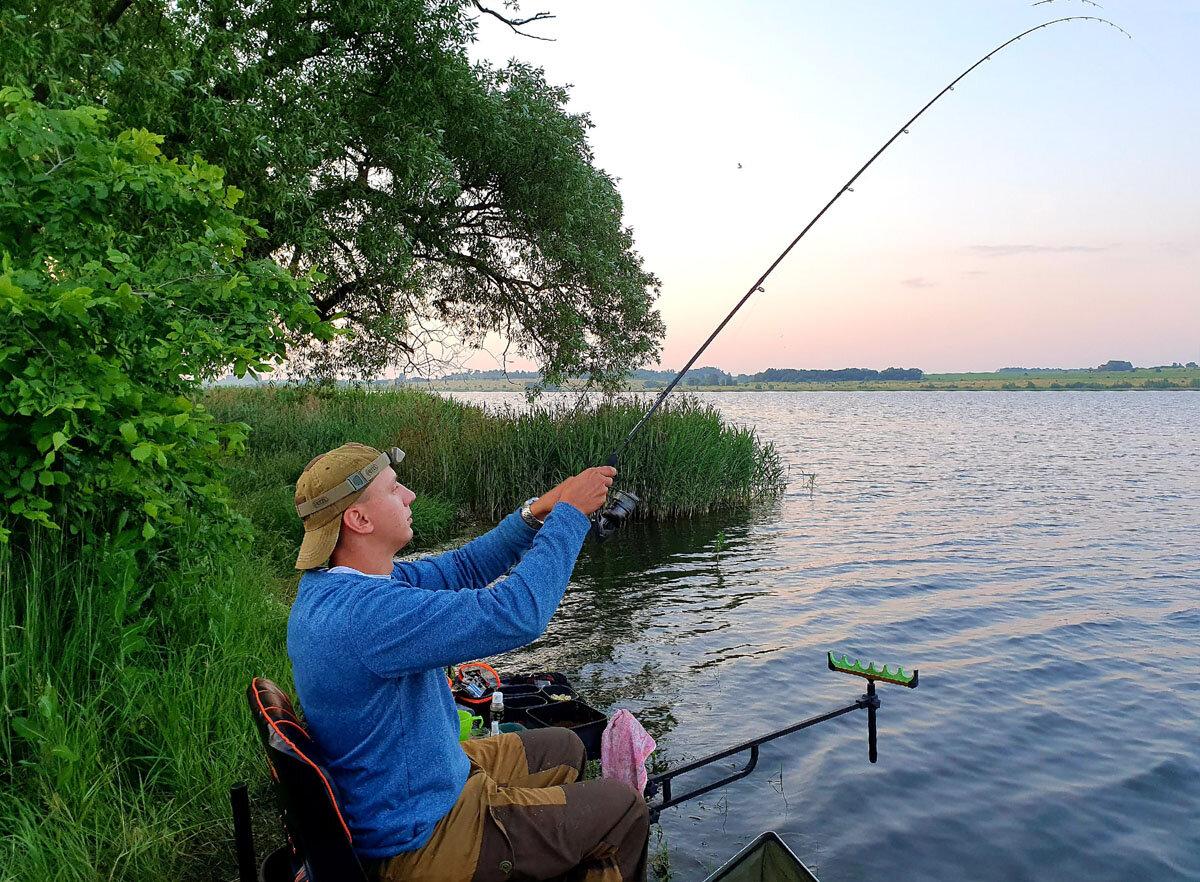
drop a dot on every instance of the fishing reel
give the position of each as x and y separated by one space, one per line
616 511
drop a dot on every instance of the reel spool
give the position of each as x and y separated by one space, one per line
616 511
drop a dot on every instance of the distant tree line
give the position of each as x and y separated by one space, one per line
493 375
711 376
793 375
1110 365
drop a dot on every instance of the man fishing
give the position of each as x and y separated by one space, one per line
369 638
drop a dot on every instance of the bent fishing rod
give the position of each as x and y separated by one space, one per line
622 503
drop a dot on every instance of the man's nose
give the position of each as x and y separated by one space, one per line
407 495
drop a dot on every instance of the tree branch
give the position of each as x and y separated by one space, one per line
117 10
516 23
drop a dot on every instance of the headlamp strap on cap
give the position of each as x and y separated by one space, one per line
354 483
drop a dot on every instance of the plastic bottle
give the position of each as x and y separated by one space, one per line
497 711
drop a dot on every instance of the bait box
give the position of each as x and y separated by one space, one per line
555 678
586 722
517 707
514 690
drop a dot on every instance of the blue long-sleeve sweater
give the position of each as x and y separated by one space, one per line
368 657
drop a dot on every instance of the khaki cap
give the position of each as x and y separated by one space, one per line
323 474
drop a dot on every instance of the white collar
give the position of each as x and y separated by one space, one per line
350 571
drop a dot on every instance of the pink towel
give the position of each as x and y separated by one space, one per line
624 747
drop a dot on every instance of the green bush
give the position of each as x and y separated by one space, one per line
129 617
123 286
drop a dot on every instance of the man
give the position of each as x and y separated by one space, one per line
369 640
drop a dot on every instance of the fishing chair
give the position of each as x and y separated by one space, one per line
319 845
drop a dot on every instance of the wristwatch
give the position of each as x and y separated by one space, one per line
528 516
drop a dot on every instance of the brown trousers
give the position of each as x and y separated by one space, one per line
524 814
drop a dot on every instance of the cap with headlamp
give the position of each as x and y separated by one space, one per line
353 483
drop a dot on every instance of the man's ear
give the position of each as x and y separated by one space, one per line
356 521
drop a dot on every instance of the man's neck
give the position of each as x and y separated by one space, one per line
378 562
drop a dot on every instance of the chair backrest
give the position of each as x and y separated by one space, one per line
321 845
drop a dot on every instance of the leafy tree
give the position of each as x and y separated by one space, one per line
125 281
440 198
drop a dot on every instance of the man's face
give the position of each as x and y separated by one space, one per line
386 504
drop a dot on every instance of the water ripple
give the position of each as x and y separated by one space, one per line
1035 555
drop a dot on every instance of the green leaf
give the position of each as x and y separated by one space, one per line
142 452
48 705
27 730
128 432
148 531
59 439
62 752
10 291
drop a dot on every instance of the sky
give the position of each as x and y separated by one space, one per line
1046 213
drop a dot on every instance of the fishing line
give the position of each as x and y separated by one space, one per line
846 188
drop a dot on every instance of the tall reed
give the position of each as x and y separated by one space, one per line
685 461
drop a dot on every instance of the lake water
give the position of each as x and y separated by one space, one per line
1036 556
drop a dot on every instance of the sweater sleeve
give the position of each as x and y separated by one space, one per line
480 562
401 628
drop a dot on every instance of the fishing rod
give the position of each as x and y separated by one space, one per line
622 503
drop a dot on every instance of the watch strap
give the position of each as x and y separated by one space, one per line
531 520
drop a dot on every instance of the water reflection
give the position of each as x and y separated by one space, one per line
649 588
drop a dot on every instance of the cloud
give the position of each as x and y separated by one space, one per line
918 282
1014 250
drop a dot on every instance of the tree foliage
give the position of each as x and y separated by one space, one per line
125 281
437 196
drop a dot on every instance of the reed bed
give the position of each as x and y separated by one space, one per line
686 461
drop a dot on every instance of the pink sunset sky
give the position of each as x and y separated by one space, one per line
1045 213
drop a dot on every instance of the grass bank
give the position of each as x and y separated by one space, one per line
1142 379
123 721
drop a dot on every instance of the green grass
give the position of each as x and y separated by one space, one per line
123 722
658 858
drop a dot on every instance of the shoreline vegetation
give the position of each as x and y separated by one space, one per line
1034 380
124 721
472 465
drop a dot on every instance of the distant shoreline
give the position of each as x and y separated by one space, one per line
1144 379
